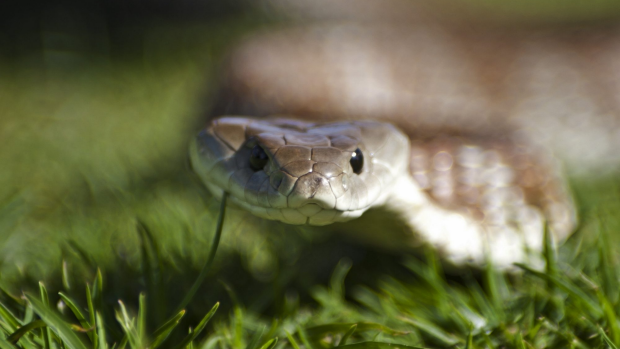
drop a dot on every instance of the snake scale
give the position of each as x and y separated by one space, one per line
463 134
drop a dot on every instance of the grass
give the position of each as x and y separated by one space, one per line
103 233
572 302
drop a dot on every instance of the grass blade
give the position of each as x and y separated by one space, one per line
15 336
9 318
78 314
549 252
520 343
101 343
65 275
316 332
304 337
56 323
91 313
124 342
606 267
46 301
97 292
201 325
152 270
6 345
377 345
292 340
606 339
470 341
337 280
433 331
128 326
577 294
490 282
347 335
270 343
256 338
142 317
214 245
164 330
610 315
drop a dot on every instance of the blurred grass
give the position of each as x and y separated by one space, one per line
93 143
87 147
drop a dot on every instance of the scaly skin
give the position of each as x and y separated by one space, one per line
556 87
488 114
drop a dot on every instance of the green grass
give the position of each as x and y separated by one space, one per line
572 301
103 232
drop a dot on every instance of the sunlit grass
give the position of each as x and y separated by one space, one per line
571 302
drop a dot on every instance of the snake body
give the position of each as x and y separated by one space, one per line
456 132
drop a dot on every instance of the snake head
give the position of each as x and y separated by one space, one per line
300 172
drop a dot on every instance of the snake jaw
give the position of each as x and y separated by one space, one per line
308 178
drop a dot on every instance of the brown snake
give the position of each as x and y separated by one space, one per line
481 116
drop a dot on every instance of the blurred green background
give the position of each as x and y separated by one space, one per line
98 100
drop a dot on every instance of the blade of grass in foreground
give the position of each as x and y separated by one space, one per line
317 332
606 339
347 335
101 343
257 336
292 340
77 312
270 344
15 336
46 301
164 331
91 311
6 345
56 323
190 337
377 345
11 320
576 293
203 274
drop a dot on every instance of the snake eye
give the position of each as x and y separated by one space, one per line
258 158
357 161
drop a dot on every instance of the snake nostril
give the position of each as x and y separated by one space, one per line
312 188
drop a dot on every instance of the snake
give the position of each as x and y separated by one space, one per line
463 135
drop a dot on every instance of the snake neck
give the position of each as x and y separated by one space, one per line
460 239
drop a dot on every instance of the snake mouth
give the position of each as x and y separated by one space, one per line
307 200
307 214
